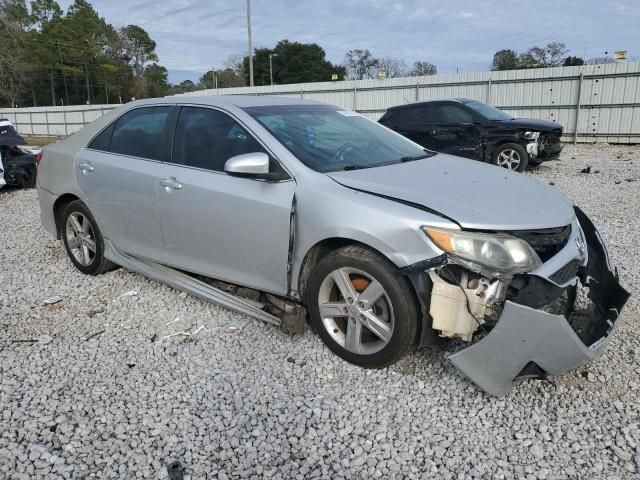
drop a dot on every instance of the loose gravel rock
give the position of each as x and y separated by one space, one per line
91 386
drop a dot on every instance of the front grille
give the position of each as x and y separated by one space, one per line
546 243
566 273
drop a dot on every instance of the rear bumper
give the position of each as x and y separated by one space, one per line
46 200
554 343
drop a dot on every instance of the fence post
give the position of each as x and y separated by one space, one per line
355 99
575 126
31 122
489 91
301 93
417 90
84 121
64 120
46 119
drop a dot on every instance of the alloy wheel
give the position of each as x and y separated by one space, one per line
356 311
80 238
509 159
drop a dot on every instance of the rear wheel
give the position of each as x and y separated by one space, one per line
362 307
83 240
511 156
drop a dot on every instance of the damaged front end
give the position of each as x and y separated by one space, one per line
545 321
543 146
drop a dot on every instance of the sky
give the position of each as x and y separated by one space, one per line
455 35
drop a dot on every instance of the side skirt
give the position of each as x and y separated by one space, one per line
184 282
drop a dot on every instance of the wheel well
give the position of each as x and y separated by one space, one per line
316 253
59 206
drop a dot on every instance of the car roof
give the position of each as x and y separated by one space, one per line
430 102
226 100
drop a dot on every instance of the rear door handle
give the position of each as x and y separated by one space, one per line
170 184
86 167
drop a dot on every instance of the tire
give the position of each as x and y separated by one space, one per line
370 334
505 156
83 241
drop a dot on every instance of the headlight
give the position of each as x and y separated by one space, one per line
531 135
497 254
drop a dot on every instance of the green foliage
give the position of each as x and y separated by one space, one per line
554 54
293 62
72 57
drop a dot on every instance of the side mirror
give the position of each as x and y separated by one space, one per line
249 164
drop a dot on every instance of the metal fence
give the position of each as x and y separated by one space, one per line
594 103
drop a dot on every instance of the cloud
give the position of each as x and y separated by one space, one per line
461 34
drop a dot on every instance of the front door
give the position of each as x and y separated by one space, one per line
230 228
117 174
455 133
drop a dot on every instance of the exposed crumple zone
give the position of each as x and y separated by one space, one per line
551 327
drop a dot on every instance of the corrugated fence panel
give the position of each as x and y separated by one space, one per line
602 101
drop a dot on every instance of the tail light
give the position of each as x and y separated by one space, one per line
38 158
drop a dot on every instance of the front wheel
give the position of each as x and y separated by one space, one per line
362 307
511 156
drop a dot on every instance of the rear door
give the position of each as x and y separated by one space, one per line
226 227
454 131
117 174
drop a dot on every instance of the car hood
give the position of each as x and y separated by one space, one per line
532 123
477 196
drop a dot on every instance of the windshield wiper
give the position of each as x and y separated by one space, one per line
410 158
352 167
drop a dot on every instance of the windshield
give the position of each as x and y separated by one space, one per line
488 112
326 138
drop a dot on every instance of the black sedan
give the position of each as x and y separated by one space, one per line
472 129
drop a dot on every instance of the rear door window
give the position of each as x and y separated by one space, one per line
207 138
449 114
415 117
141 133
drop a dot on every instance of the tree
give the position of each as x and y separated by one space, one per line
156 83
293 62
551 55
223 78
423 68
137 47
572 62
505 60
235 63
13 65
360 64
392 67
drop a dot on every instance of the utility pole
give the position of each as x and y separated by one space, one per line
64 76
271 55
250 43
53 89
86 76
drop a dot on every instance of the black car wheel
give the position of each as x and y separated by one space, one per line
362 307
511 156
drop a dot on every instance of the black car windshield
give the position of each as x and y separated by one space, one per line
326 138
487 111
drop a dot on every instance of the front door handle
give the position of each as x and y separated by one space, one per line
86 167
170 184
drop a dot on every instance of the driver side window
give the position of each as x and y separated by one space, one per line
452 114
206 138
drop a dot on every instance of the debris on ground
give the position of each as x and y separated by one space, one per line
175 471
54 307
586 170
94 311
185 333
231 329
52 300
45 339
100 332
130 293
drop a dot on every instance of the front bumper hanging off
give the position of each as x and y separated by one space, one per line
554 343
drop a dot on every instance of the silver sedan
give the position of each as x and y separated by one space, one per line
286 209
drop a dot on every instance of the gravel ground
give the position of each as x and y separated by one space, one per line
91 387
